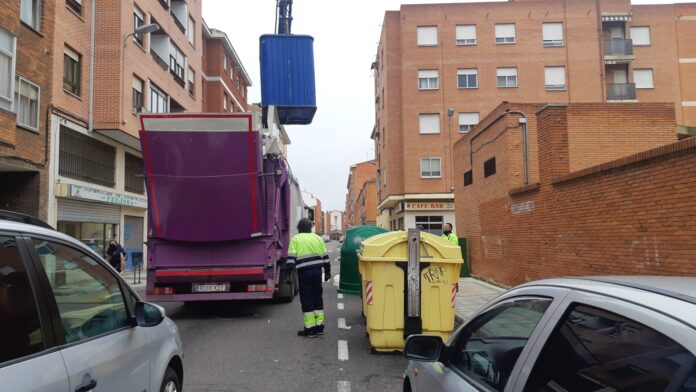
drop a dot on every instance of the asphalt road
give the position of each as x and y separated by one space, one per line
253 346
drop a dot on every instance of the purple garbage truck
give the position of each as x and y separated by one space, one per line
222 205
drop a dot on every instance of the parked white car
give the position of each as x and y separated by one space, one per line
571 334
68 322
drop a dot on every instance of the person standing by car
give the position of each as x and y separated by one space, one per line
116 256
308 254
449 235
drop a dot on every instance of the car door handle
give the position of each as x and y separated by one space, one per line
87 387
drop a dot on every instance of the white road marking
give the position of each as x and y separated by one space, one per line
340 306
342 350
342 323
344 386
340 296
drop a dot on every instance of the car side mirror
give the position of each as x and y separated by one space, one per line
148 315
423 348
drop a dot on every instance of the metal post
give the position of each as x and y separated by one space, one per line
413 323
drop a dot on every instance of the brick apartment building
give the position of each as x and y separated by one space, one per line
225 81
602 189
313 212
26 55
440 68
333 224
366 207
355 214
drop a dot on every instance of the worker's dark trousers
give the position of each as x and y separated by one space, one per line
310 288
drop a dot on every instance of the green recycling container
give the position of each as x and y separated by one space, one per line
350 282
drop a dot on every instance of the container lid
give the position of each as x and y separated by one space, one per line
393 246
356 235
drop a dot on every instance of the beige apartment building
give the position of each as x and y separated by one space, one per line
440 68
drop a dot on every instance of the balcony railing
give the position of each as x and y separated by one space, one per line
179 24
618 47
621 91
159 60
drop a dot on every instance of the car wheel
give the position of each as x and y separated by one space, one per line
171 381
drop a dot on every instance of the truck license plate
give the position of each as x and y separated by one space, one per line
210 287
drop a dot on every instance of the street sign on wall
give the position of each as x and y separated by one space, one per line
83 192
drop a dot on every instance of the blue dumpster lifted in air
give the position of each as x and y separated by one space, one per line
287 71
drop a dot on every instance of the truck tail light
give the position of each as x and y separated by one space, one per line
256 287
164 290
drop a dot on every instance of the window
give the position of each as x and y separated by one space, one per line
159 101
30 13
553 34
489 167
75 5
643 78
505 33
224 102
224 62
468 178
232 71
605 351
507 77
191 81
7 68
191 31
487 349
466 35
21 330
176 63
137 94
88 296
384 177
467 121
94 235
86 159
430 168
640 36
467 78
429 123
427 35
71 71
431 224
428 80
27 103
134 174
138 20
554 78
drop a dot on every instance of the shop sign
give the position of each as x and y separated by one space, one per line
425 206
83 192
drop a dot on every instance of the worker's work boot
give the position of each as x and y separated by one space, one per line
319 329
307 333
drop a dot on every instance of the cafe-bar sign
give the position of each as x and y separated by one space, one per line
83 192
421 206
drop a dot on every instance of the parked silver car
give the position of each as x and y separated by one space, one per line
570 334
68 322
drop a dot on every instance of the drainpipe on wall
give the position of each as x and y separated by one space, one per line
90 107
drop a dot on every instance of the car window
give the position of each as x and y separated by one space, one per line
489 346
88 296
20 329
595 350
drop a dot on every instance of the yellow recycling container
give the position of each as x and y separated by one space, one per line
388 305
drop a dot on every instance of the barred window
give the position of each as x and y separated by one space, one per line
86 159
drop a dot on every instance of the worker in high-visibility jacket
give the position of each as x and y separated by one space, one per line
309 255
449 235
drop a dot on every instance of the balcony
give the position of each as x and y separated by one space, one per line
618 51
621 91
159 60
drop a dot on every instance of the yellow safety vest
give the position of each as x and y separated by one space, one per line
306 250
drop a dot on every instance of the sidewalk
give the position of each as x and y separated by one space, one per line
473 295
127 275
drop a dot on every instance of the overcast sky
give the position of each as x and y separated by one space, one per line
346 34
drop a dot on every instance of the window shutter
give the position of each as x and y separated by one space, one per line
138 85
643 78
467 71
504 30
555 76
507 71
466 32
72 54
427 35
553 31
429 123
468 118
431 73
640 35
